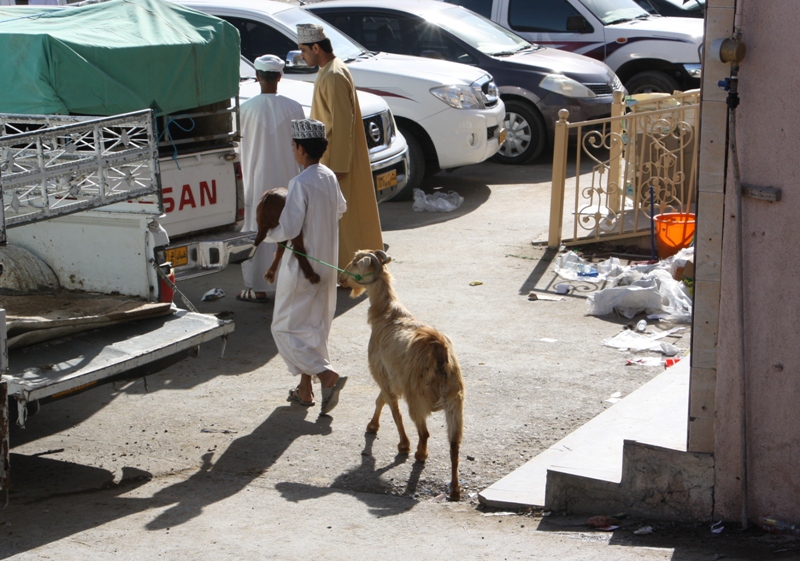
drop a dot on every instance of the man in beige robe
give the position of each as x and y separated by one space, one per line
335 103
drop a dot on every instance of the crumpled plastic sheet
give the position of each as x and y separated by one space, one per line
571 266
436 202
643 288
630 340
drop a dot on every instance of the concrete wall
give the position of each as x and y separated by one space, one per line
768 152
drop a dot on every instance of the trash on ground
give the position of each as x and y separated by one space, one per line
643 530
563 288
476 283
717 527
534 296
571 266
213 294
645 361
630 340
614 397
778 526
436 202
548 340
649 288
604 523
502 513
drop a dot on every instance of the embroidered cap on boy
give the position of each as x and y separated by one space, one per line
308 128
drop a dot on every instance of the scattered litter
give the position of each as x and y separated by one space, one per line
668 349
213 294
604 523
717 527
671 362
473 495
547 513
614 397
563 288
535 296
223 431
571 266
436 202
440 498
502 513
645 361
649 288
548 340
471 458
630 340
643 530
476 283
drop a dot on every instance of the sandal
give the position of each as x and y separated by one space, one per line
330 396
294 395
249 295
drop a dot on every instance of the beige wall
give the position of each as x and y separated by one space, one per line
767 126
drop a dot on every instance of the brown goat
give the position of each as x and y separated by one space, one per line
408 359
268 214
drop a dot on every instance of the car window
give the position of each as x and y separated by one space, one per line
482 7
613 11
548 16
260 39
478 32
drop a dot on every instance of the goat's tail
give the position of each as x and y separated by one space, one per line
450 381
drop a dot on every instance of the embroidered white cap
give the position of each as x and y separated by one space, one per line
308 128
310 33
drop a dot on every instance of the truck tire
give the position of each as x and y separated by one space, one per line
652 81
416 164
526 134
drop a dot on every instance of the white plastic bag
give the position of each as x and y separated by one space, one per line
436 202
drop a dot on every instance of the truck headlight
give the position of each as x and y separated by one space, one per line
567 87
460 97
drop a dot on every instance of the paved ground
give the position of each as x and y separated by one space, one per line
207 458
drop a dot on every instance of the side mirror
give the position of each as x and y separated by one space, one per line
296 65
578 24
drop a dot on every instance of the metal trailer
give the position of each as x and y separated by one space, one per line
62 180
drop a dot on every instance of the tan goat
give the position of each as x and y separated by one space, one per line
408 359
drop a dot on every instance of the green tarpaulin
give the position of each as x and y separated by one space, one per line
115 57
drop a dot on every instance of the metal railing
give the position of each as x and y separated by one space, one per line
56 165
625 169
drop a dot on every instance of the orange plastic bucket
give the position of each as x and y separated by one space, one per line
674 231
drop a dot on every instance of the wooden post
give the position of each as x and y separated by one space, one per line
559 178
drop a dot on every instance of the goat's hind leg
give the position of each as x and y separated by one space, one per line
375 423
422 445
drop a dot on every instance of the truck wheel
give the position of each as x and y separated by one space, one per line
526 134
416 164
652 81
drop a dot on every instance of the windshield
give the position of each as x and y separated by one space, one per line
478 32
615 11
344 47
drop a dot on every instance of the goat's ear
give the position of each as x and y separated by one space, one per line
363 265
382 257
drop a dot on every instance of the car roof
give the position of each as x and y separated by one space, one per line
266 6
418 7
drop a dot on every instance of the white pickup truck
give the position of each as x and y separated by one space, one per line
83 299
648 53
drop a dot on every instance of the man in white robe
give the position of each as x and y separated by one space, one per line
267 162
303 312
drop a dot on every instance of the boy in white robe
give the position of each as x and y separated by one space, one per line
303 312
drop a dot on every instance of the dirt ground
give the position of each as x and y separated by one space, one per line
208 457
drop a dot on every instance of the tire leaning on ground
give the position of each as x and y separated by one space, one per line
526 134
652 81
416 164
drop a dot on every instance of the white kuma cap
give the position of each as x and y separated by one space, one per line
307 128
269 63
310 33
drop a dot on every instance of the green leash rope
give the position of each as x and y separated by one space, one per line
358 278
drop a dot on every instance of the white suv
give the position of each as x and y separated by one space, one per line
450 114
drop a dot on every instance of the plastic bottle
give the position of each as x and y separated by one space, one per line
641 326
777 526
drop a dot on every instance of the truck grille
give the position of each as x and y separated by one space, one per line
375 130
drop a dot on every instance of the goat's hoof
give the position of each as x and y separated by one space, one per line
404 448
421 456
373 429
455 495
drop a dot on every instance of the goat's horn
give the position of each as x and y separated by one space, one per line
376 262
382 257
